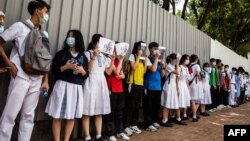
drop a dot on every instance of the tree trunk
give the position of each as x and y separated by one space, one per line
172 2
183 15
166 4
193 7
204 15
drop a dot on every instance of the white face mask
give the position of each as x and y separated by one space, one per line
208 69
44 19
214 63
1 29
174 62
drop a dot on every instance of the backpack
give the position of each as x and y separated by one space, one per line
190 70
37 58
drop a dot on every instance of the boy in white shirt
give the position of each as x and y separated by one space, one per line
23 92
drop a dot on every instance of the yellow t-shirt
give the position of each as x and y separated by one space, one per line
137 76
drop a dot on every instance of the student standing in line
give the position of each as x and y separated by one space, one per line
96 101
24 89
117 99
206 89
152 85
70 67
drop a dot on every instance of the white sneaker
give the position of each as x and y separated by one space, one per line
112 138
228 106
128 131
151 128
211 110
156 125
123 136
135 129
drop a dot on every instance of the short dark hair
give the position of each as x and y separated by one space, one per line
212 60
218 61
226 66
79 44
35 4
193 58
153 44
206 64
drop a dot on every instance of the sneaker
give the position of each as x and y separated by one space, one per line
135 129
112 138
123 136
128 131
204 114
180 122
167 124
151 128
228 106
212 110
156 125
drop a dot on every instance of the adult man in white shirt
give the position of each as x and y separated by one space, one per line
23 93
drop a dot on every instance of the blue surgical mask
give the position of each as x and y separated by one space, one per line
1 29
70 41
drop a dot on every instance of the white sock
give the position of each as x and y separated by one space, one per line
88 138
98 136
164 120
185 115
178 119
172 116
194 116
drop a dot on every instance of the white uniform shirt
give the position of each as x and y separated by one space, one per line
18 32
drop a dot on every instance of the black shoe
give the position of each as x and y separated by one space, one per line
180 122
172 119
167 124
194 120
204 114
185 118
99 139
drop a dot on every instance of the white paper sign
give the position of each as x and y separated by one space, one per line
121 48
144 50
106 46
162 52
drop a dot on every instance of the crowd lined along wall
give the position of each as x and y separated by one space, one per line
119 20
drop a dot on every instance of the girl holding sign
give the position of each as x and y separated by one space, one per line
96 100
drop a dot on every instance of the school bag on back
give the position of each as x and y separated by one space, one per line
37 58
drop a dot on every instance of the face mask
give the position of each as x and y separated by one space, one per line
70 41
44 19
214 63
1 29
187 62
222 69
208 69
226 69
174 62
234 72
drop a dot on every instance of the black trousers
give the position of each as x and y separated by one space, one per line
132 106
242 96
114 121
225 94
151 107
215 95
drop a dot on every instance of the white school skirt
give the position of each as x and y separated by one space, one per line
66 101
169 97
206 94
184 95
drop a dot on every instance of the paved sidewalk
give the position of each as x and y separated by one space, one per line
206 129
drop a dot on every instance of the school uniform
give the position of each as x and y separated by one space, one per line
196 90
225 89
184 94
136 91
231 98
206 90
214 81
169 97
152 96
66 100
117 100
96 99
23 91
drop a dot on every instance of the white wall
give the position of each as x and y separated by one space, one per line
228 56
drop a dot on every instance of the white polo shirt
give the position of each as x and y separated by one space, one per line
18 32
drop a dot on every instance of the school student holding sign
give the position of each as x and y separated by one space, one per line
136 89
96 101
